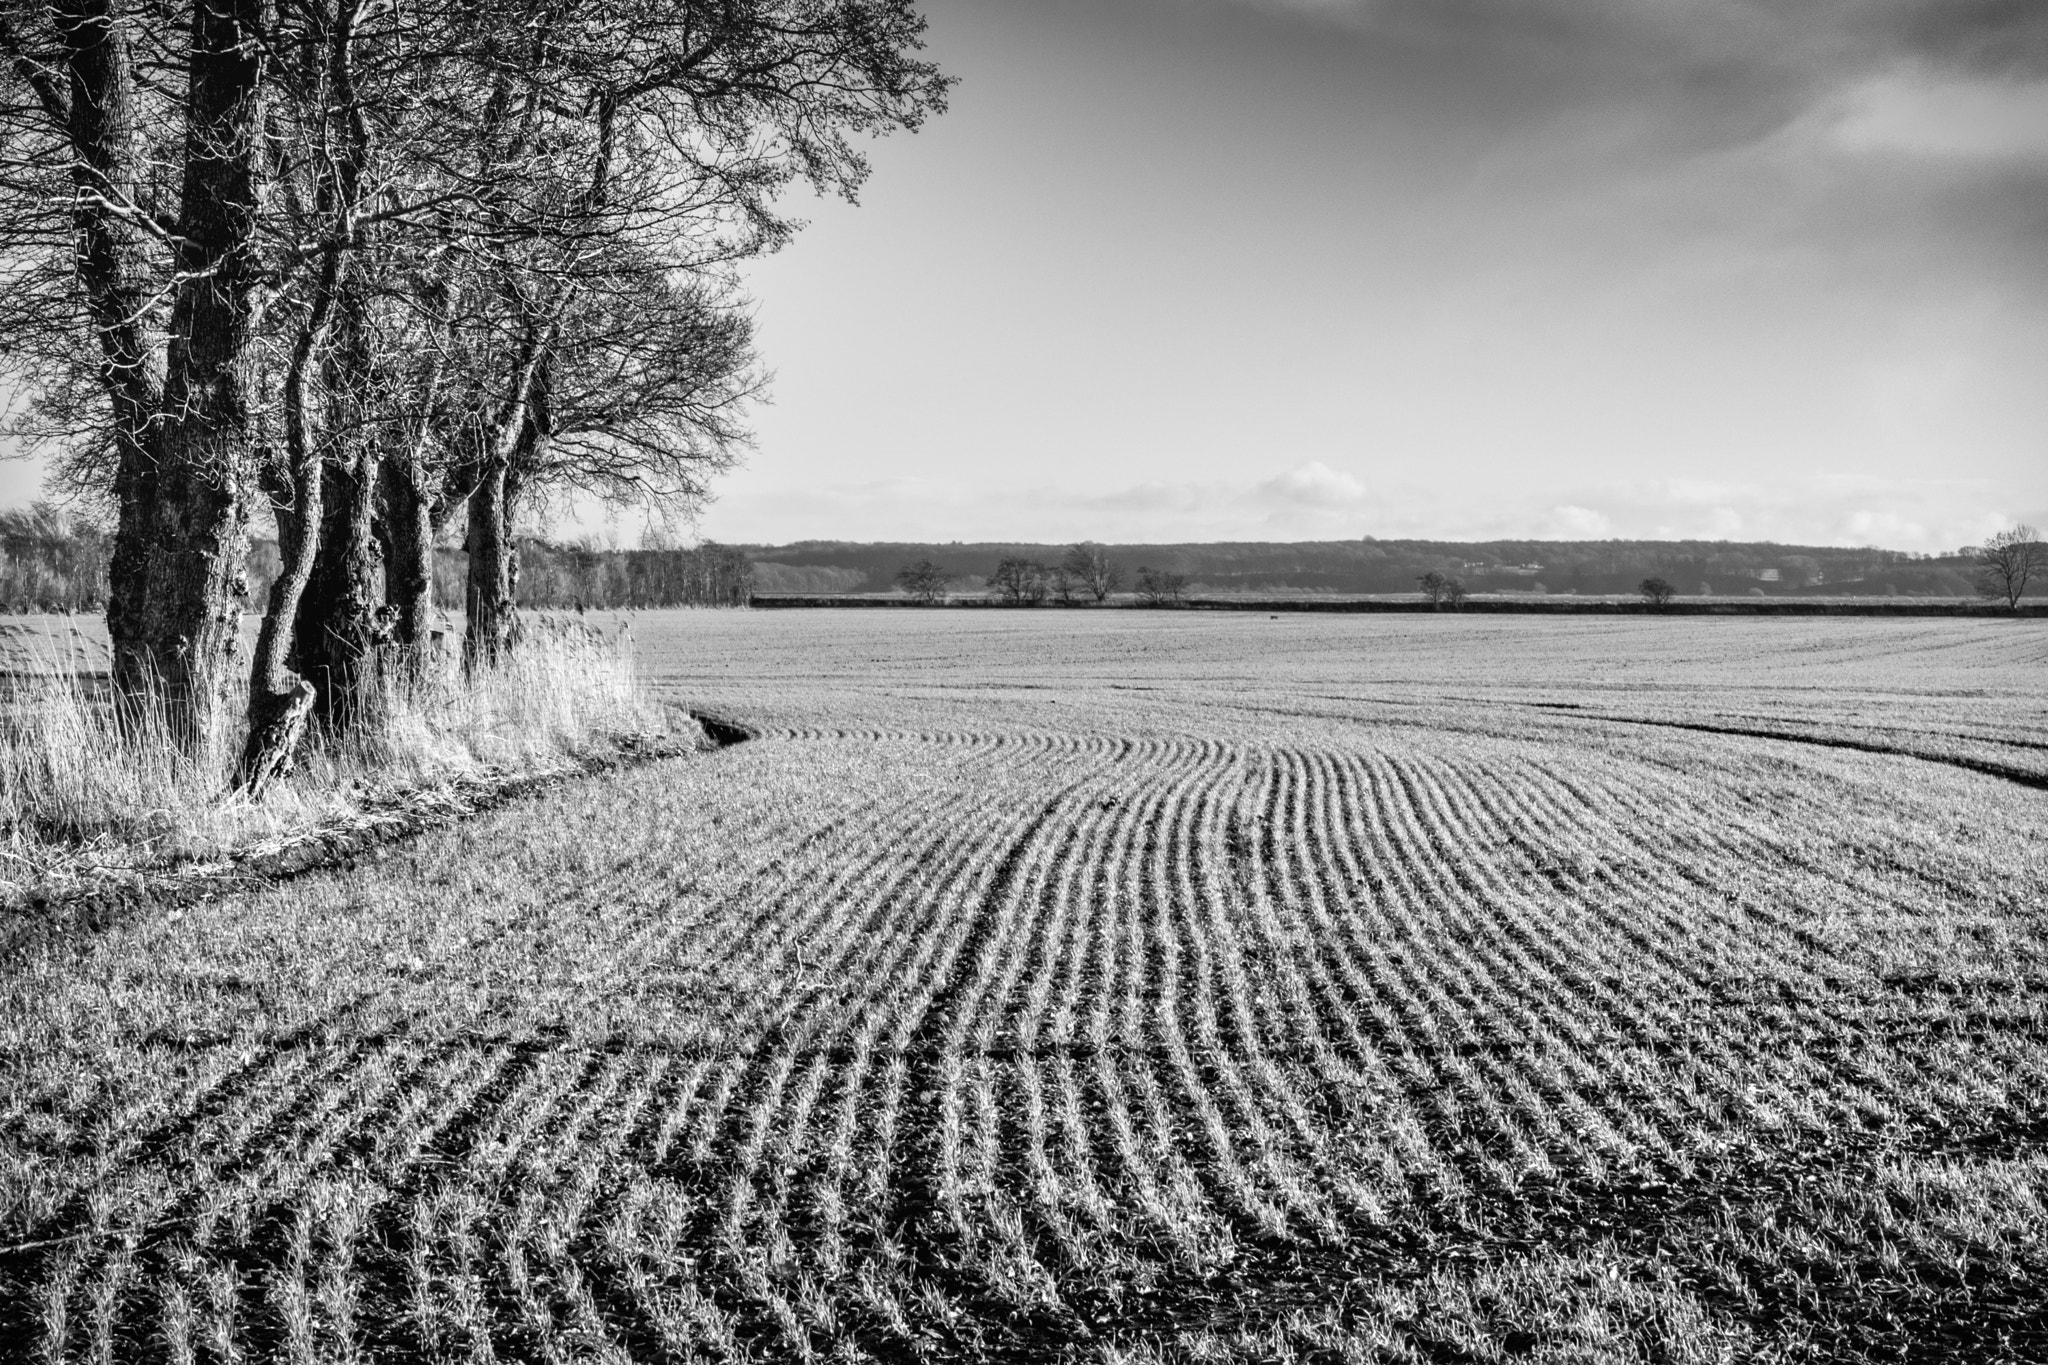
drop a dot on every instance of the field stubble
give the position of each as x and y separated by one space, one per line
1048 986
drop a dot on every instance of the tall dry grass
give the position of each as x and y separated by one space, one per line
86 776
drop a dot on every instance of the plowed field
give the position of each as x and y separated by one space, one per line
1111 986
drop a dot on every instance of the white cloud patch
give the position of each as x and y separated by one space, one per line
1314 484
1569 522
1926 514
1933 116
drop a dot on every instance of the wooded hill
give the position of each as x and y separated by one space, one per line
50 561
1696 567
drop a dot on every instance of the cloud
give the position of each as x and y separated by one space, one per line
1916 114
1314 484
1310 501
1569 522
1894 513
1925 514
1711 73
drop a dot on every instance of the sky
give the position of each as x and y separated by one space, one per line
1320 269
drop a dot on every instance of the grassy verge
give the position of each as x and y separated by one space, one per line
89 783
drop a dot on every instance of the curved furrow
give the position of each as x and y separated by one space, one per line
1623 1102
1318 874
1518 952
1146 1167
824 897
747 1110
1498 981
1661 1009
1723 873
1175 1014
982 1029
1059 947
1610 808
1739 1063
1430 984
1371 1008
1221 884
1294 880
1555 950
1071 1180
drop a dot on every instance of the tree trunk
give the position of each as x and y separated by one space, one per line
95 103
324 634
280 700
405 522
508 447
410 517
493 625
342 618
189 623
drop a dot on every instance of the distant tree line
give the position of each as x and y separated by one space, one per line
571 577
1607 568
1085 573
51 560
585 577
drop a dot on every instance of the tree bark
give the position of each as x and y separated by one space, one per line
96 107
409 515
405 523
311 646
280 696
188 626
342 618
492 628
280 700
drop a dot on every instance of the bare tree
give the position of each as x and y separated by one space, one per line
1441 589
923 580
1161 587
2008 561
1019 582
661 141
354 255
1093 570
1656 592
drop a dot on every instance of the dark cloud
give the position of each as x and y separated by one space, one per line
2005 38
1689 74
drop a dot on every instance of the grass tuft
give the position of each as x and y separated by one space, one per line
92 781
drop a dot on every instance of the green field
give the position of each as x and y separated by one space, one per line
1110 987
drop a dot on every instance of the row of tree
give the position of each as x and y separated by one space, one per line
51 560
583 576
2004 567
1086 573
1388 566
578 577
368 268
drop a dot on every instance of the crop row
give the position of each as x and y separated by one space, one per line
1005 1058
